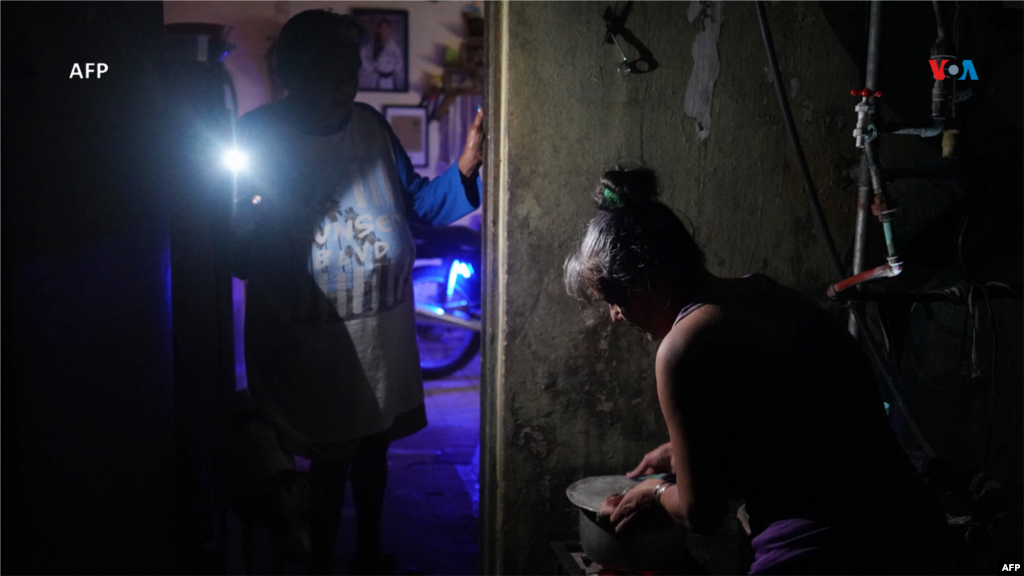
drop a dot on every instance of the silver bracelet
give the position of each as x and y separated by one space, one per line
660 489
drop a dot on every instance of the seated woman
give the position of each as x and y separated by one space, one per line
766 398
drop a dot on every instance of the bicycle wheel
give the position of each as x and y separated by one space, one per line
443 349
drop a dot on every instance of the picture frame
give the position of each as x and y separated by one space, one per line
384 49
409 124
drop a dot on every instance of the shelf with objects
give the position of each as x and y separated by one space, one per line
446 282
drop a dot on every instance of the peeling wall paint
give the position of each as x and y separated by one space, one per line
700 90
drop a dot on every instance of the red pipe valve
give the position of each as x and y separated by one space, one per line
864 93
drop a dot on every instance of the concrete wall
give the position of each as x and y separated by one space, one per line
578 393
566 394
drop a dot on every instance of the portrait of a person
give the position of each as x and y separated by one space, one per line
383 56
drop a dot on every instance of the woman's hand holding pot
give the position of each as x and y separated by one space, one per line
632 502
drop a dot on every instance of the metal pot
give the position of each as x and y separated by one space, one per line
639 549
653 541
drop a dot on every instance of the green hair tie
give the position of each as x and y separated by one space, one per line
612 199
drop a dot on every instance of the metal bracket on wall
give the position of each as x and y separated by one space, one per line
615 25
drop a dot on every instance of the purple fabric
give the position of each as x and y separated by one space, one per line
785 540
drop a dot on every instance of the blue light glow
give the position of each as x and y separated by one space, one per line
458 269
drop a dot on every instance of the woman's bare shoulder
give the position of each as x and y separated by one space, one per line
693 343
696 328
721 340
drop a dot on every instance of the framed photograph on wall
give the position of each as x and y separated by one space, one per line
410 125
384 49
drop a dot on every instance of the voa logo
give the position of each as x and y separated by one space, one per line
943 70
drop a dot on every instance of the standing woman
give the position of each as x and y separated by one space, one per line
766 398
322 236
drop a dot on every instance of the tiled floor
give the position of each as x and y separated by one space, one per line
430 508
430 511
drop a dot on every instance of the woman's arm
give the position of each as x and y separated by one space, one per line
685 371
450 196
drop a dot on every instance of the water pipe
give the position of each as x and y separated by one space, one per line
883 271
874 354
940 51
860 233
936 127
940 90
870 175
884 208
864 173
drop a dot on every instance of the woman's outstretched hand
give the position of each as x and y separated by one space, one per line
473 154
656 461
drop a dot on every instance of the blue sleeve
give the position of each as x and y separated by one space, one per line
436 202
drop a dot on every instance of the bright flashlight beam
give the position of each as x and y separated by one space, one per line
236 161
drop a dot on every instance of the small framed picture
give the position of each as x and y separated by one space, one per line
384 49
410 126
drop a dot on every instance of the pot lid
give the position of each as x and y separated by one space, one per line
590 493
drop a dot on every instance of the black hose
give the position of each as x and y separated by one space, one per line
819 220
816 212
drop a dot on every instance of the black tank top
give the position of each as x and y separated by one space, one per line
807 435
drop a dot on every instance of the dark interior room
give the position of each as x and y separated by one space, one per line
499 287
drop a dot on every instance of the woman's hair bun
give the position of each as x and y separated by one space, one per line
625 188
